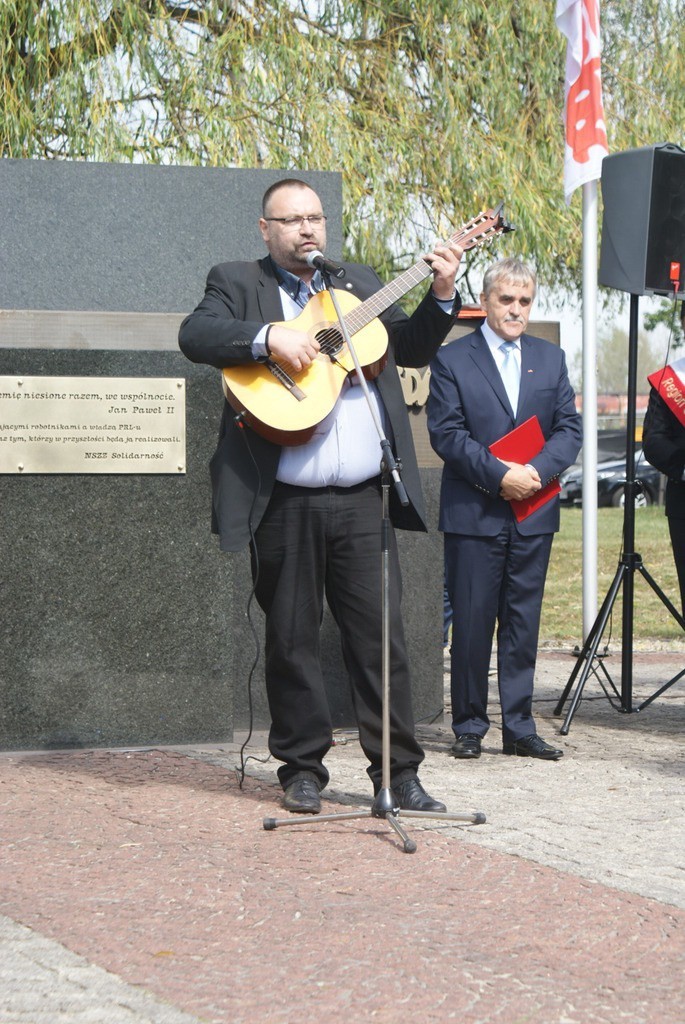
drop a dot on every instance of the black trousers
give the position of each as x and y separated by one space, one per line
316 542
676 528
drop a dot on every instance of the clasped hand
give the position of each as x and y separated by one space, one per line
519 482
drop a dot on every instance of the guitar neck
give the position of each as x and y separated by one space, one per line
480 229
380 300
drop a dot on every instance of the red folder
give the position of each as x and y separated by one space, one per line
522 444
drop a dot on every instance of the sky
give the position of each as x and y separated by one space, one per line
568 312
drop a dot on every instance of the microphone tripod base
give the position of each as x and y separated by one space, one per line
384 806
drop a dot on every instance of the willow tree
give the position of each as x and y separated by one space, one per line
431 109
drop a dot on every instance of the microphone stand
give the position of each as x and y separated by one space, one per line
385 803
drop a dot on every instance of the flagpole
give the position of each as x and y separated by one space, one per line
589 287
585 147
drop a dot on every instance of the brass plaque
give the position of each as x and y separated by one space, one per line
92 425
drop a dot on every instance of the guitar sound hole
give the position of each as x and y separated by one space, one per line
330 340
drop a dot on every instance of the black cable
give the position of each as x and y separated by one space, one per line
432 716
239 422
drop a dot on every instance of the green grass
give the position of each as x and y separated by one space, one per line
562 610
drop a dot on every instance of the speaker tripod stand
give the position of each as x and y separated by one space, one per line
385 805
624 581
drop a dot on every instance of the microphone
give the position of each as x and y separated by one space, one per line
318 261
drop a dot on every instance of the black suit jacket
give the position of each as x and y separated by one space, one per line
239 299
663 442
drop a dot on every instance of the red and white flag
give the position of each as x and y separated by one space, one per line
586 137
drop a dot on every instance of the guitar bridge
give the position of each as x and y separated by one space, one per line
285 379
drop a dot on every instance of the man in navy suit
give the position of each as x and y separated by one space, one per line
482 386
311 514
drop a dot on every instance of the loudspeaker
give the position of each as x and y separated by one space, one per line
643 226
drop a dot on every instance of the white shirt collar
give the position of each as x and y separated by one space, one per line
494 341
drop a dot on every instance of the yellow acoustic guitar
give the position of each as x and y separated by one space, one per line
286 405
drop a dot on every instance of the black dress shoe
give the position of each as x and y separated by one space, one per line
302 795
411 796
533 746
466 746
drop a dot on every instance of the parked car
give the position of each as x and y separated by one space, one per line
611 480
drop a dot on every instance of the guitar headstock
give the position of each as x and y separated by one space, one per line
482 228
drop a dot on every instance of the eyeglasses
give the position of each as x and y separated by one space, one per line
291 223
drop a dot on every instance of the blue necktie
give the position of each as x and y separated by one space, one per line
511 373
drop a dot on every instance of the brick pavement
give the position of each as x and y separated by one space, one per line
151 892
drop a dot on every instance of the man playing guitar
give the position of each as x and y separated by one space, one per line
311 509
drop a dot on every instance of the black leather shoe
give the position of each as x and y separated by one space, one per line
302 795
466 746
411 796
533 746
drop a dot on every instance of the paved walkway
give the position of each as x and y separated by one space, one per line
140 886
